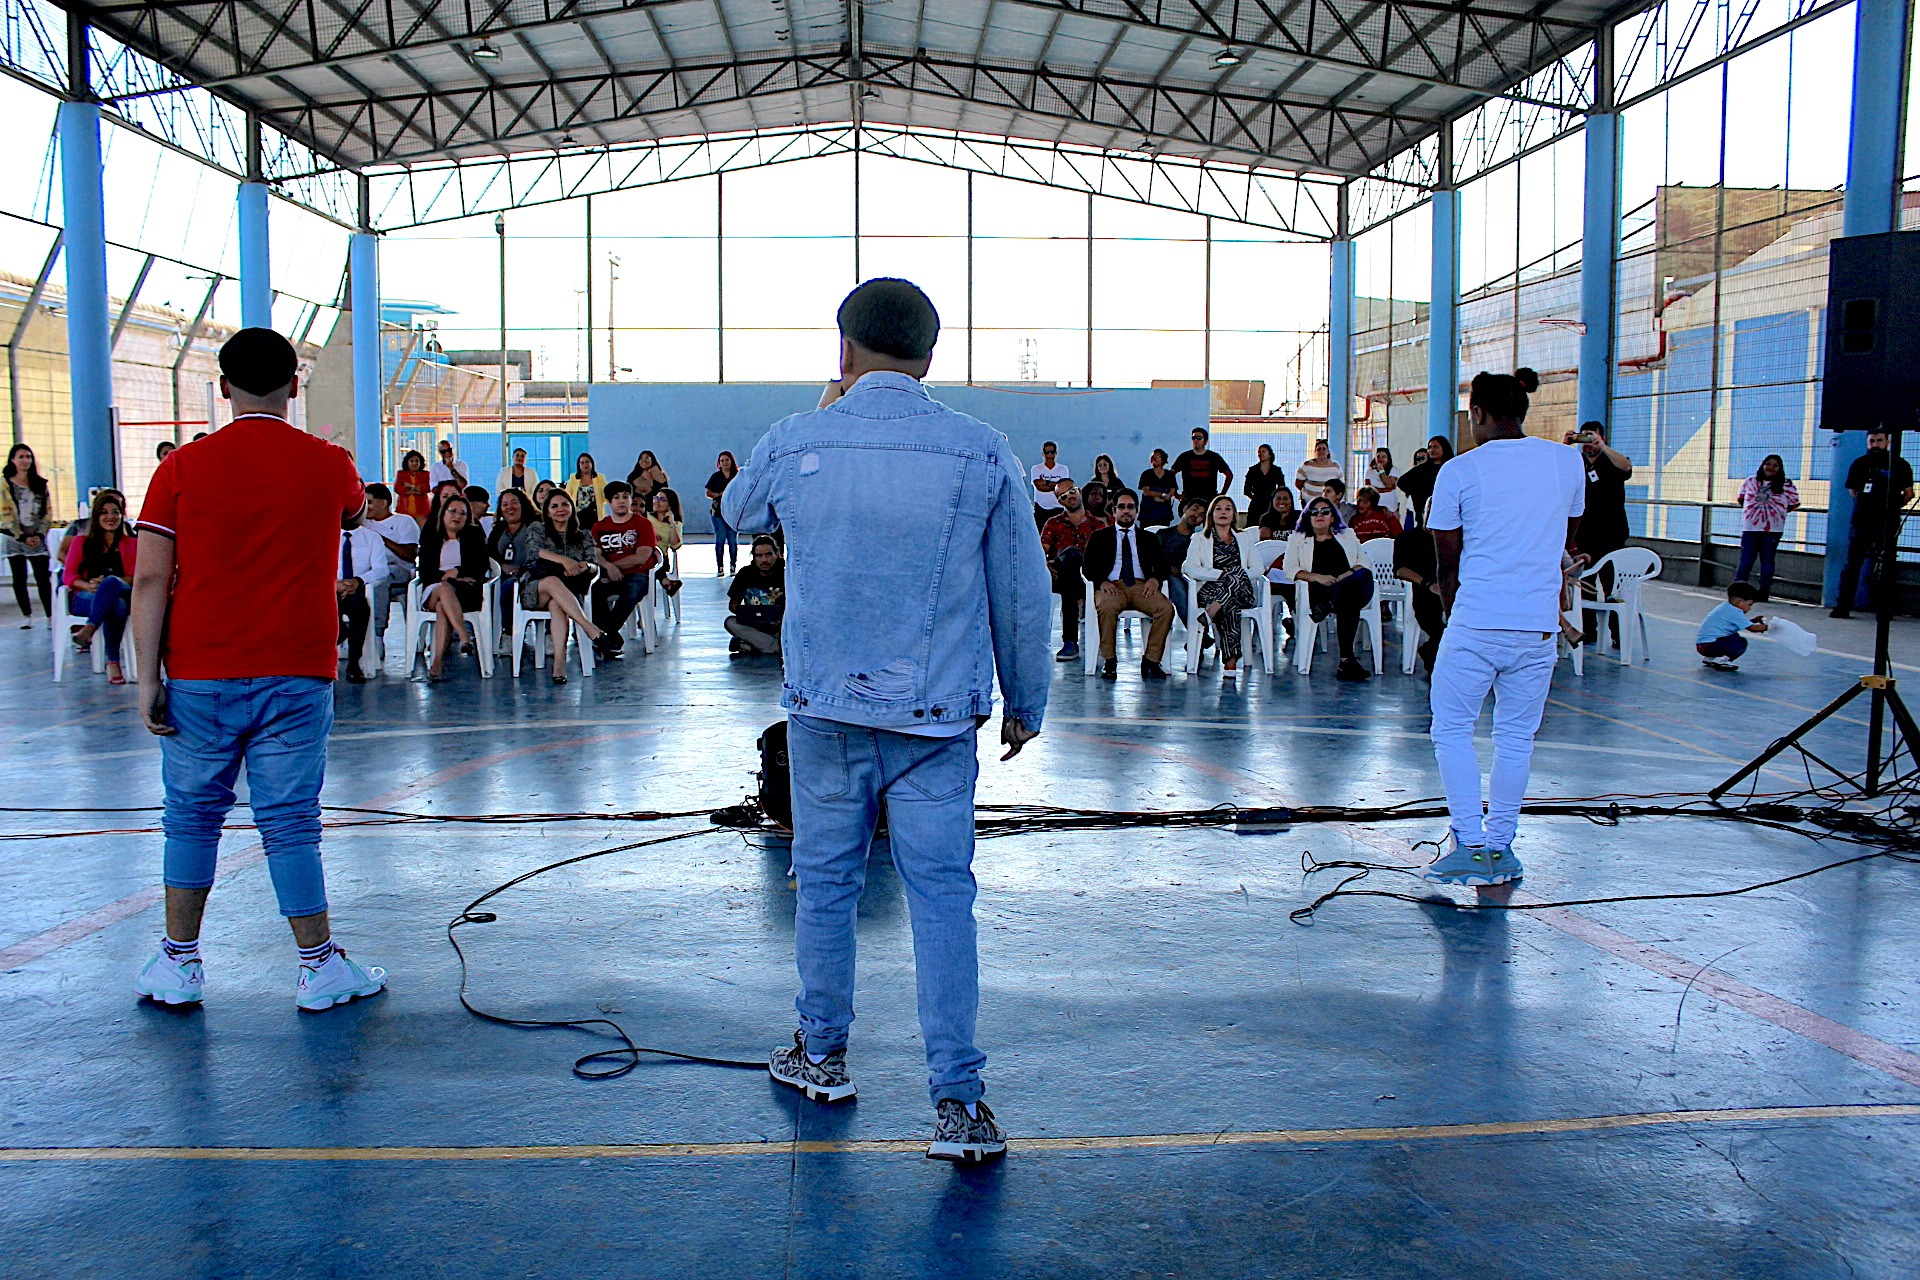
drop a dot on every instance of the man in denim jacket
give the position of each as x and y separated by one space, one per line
914 574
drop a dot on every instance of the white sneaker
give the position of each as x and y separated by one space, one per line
167 981
337 981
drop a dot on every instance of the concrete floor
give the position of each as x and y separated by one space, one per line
1206 1089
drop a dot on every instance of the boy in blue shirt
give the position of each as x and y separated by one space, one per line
1720 641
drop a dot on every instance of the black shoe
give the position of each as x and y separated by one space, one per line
1151 670
610 652
1351 669
1109 669
1841 613
354 674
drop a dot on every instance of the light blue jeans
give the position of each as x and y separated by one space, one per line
841 775
726 543
1517 668
278 727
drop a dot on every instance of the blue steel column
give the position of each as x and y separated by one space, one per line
363 268
1874 146
89 344
1340 340
1443 338
256 270
1600 241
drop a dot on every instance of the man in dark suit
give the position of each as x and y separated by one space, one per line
1127 564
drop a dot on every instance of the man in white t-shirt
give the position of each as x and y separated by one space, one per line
401 534
1047 476
1502 516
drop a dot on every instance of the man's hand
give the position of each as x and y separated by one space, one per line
834 390
344 587
1151 586
153 707
1108 590
611 571
1014 735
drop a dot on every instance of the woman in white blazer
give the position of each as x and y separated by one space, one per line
520 475
1222 586
1325 555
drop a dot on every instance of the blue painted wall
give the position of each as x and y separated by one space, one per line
687 424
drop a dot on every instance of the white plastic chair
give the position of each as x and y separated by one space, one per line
666 607
1398 592
1306 631
420 622
1256 557
1631 566
1577 650
63 620
520 620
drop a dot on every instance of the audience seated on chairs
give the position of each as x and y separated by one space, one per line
1093 496
1174 540
557 562
1064 539
1222 587
757 599
1416 561
1127 564
624 544
1336 491
453 572
669 536
1325 555
400 536
477 501
503 545
1370 519
1283 510
363 571
97 567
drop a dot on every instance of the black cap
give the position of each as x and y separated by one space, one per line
258 361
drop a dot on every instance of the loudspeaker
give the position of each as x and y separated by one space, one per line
1872 376
776 778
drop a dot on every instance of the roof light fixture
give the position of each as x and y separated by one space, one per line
486 51
1227 58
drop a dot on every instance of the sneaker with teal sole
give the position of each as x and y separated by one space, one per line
337 980
1474 865
164 980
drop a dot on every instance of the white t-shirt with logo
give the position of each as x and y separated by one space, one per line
1041 471
1511 500
396 528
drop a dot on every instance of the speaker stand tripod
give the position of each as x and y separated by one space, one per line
1882 693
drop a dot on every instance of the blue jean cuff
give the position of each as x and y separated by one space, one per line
965 1091
295 912
820 1045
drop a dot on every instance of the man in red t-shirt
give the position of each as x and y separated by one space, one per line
235 592
625 544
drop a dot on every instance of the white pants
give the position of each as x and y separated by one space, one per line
1517 667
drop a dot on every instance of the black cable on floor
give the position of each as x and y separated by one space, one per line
628 1053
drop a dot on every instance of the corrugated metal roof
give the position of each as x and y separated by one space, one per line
1332 86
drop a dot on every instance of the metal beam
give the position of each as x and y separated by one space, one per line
27 311
488 117
126 308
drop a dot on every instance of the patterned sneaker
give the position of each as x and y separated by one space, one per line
337 980
1474 865
967 1139
825 1081
164 980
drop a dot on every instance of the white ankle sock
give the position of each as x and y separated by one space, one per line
180 952
314 957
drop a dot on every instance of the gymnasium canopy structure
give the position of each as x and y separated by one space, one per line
1314 117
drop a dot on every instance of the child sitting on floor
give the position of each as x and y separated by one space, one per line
1720 641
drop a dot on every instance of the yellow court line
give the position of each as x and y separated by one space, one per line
909 1146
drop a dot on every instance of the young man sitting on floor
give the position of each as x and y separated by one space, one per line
758 601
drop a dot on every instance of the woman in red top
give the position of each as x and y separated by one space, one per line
98 569
412 487
1370 519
